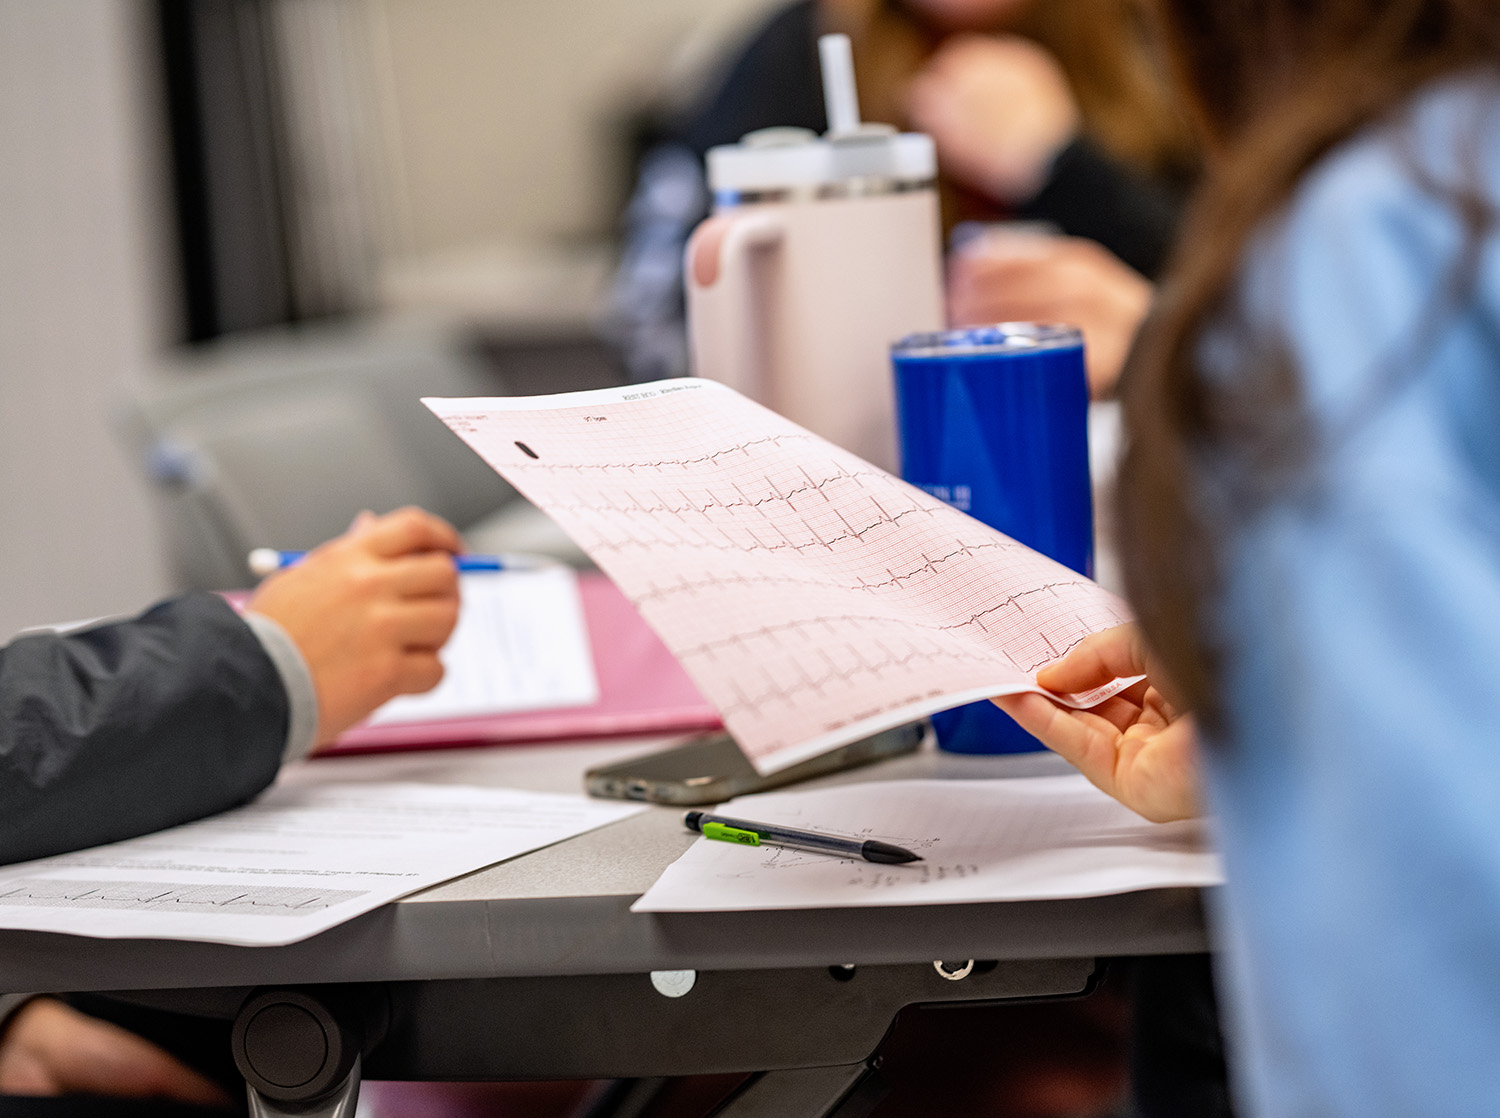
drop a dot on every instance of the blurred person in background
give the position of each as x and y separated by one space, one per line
1054 114
1310 508
127 727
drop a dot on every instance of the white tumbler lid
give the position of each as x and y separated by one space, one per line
790 158
773 160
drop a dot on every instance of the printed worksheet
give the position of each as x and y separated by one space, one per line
297 861
980 840
812 597
521 644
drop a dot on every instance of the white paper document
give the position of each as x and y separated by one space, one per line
980 840
521 644
296 862
813 598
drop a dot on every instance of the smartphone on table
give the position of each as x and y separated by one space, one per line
710 768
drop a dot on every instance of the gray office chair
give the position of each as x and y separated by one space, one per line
278 439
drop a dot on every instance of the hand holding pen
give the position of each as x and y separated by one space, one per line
368 611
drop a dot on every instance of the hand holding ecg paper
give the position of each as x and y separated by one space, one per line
812 597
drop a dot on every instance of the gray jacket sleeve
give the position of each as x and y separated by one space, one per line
132 726
296 679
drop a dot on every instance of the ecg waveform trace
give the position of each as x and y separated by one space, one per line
156 896
811 596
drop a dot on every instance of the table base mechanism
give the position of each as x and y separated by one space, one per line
622 1026
804 1035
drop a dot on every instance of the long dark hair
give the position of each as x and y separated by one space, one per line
1273 85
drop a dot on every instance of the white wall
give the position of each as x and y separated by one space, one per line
504 116
503 153
79 305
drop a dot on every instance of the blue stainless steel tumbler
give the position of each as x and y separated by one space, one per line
994 421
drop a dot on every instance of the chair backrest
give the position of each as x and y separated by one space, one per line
279 439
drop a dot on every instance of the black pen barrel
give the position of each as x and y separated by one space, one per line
871 850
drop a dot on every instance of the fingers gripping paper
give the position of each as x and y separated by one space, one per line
812 597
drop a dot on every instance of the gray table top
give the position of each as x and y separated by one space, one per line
564 910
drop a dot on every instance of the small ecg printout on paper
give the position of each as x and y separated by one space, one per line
303 857
1032 838
811 596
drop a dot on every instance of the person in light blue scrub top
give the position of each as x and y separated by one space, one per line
1312 511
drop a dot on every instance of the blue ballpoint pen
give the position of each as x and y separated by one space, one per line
267 560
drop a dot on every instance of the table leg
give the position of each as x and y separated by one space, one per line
847 1091
341 1103
626 1098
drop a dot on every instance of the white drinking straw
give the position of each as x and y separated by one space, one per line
840 98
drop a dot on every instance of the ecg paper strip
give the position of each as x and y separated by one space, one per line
811 596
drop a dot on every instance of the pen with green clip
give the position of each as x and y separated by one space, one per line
753 834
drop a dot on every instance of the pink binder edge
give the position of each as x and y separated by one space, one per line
642 690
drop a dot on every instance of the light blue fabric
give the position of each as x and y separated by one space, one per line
1357 783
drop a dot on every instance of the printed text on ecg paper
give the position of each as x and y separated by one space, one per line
811 596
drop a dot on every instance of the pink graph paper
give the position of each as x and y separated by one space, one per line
812 597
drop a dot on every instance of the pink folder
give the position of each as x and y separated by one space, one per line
642 690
